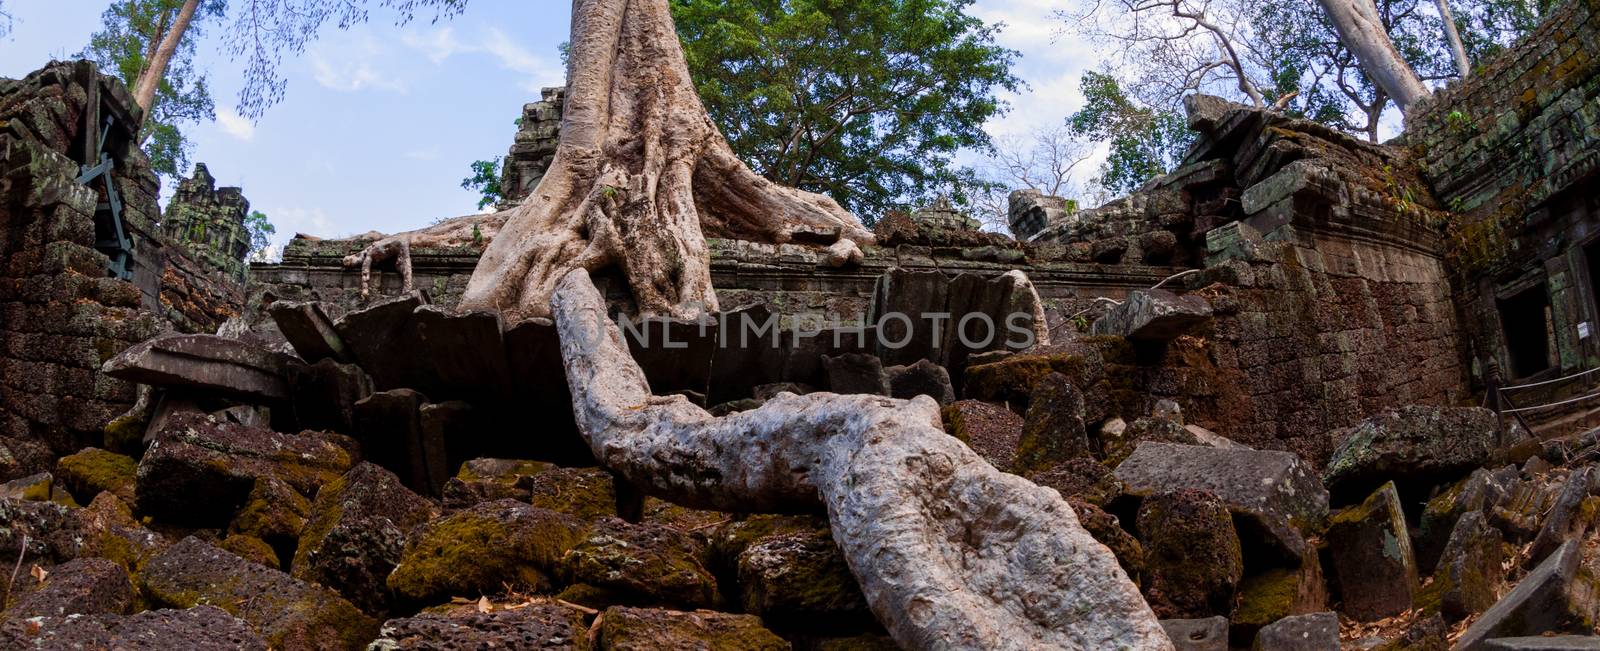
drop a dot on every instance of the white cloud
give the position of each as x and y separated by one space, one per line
233 124
441 44
431 153
289 221
351 64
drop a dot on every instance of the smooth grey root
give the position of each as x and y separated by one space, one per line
950 553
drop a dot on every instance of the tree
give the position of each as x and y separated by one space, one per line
1287 51
1145 142
864 101
1042 160
640 179
132 33
1362 31
261 231
485 181
5 21
262 32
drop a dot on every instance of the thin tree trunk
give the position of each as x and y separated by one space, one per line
144 93
1450 33
641 178
950 552
1363 33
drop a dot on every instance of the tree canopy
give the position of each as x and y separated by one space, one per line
867 102
130 32
1145 141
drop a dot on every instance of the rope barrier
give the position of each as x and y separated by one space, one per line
1553 404
1548 382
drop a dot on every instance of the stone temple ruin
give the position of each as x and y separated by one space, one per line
1308 392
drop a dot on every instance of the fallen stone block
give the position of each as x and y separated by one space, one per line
288 613
923 378
487 480
583 493
326 393
86 586
1563 522
1553 597
1480 491
649 629
1193 561
92 470
534 627
989 429
482 550
355 534
801 580
1210 634
1314 632
207 364
1108 531
1269 595
1422 445
1470 568
201 627
642 564
1155 315
1275 489
1151 428
852 373
273 512
376 334
1084 479
1371 555
458 356
389 428
309 330
199 470
1054 431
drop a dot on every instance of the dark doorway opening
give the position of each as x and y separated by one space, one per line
1525 317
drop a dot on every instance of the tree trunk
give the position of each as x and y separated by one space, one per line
1454 37
641 178
144 93
1363 33
950 553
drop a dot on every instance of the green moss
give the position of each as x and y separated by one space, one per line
1267 597
1012 378
484 549
93 470
252 549
125 433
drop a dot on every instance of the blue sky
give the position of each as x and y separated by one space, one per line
380 122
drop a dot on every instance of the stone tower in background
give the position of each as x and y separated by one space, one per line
210 221
538 136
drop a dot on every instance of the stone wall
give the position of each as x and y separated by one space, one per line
65 307
1514 151
1330 297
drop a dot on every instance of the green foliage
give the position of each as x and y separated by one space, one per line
261 231
1145 142
485 181
866 102
129 34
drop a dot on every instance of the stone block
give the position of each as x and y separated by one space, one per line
924 378
1193 561
991 430
1371 556
1314 632
1470 569
1419 445
1054 430
856 373
195 628
649 629
1544 643
1275 491
355 533
1210 634
801 580
200 470
86 586
1554 597
541 627
207 364
288 613
1155 315
309 331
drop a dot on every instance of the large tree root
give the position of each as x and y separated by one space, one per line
641 178
951 553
